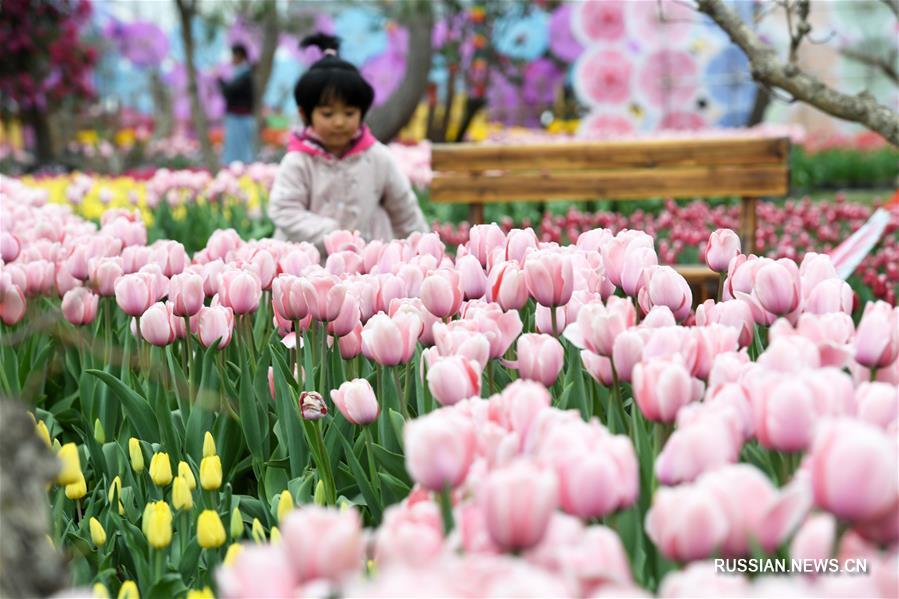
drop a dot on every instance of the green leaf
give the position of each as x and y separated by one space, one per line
374 504
393 463
189 562
397 422
394 489
170 585
288 415
249 414
136 407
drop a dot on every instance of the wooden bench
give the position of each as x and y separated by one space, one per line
747 167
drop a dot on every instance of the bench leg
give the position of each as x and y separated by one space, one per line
476 214
747 224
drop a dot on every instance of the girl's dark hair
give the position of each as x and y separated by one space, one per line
331 78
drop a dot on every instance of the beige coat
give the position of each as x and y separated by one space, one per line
315 193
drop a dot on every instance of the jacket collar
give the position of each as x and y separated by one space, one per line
308 142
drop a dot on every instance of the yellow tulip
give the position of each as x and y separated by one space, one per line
236 524
128 590
257 532
157 524
210 531
71 464
208 445
98 534
161 469
204 593
285 504
100 591
319 497
182 499
116 489
231 554
77 489
137 455
99 432
43 433
188 474
275 535
56 446
211 473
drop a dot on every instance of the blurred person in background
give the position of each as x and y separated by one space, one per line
240 122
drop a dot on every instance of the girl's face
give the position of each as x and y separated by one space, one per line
336 123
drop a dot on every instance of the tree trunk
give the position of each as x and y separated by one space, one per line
271 31
472 107
759 106
44 152
162 102
390 117
187 10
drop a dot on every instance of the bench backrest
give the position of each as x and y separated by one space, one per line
481 173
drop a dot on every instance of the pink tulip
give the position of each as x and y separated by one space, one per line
104 272
483 239
549 277
170 256
733 313
830 295
323 543
240 290
312 405
215 324
500 328
356 401
79 306
686 523
262 263
324 295
344 262
412 277
258 571
9 246
391 340
633 269
777 287
430 244
702 446
877 337
474 279
159 283
614 250
135 293
351 344
815 269
784 412
454 378
439 449
222 242
723 246
186 293
598 325
518 503
543 320
39 275
598 367
461 338
347 318
288 297
712 341
64 281
507 286
156 325
658 317
815 539
853 467
518 242
130 233
727 368
662 387
343 241
666 287
134 258
785 512
540 358
441 293
411 534
627 351
414 306
878 404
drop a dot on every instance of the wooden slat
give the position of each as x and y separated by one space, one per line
763 180
612 155
696 273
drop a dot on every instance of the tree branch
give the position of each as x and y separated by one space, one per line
767 68
886 64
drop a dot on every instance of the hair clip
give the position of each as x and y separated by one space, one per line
330 52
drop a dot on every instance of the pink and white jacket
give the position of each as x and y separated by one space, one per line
316 192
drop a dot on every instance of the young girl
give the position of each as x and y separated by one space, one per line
336 175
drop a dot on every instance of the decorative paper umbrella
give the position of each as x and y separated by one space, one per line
668 77
362 32
728 81
662 22
522 38
599 21
561 37
603 76
541 79
386 71
142 43
602 125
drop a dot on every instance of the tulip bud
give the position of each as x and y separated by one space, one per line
211 473
115 491
128 590
77 489
161 469
157 524
234 550
356 401
275 535
312 405
319 497
99 433
208 445
182 499
204 593
236 524
42 432
188 475
100 591
98 534
285 504
210 531
137 455
257 532
71 464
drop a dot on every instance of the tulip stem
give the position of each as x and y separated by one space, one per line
323 385
874 374
490 376
188 366
446 510
553 317
721 277
402 396
211 564
107 333
298 356
616 398
375 480
325 475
